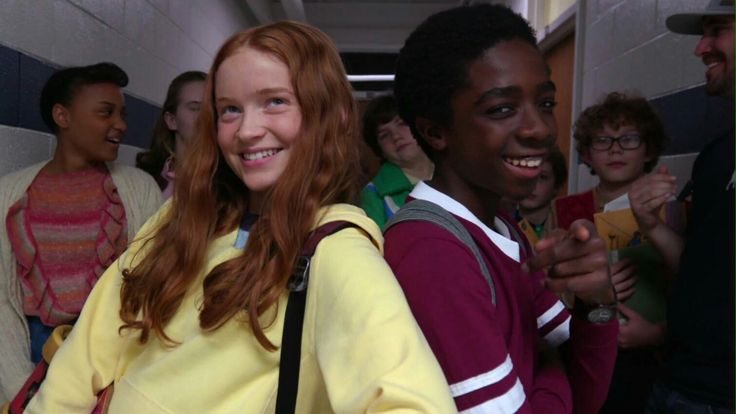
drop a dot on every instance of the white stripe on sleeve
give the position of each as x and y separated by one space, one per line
559 335
507 403
483 380
550 314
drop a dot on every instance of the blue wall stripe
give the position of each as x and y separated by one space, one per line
141 119
692 118
9 73
21 79
33 75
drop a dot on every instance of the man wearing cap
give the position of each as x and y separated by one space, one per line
699 368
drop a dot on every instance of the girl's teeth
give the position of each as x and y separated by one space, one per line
259 155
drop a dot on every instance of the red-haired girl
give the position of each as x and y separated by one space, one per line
191 318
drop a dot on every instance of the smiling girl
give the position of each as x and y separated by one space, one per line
67 219
191 319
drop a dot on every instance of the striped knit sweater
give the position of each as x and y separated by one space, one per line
65 232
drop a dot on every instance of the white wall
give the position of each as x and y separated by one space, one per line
152 40
23 147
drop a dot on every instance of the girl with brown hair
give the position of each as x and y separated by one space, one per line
191 318
174 129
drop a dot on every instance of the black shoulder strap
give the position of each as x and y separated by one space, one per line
423 210
291 342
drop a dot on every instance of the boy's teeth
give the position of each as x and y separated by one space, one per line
528 162
259 155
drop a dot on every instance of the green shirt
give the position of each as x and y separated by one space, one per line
386 193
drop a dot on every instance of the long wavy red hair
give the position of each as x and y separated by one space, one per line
209 199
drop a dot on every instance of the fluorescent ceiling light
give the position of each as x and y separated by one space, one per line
371 78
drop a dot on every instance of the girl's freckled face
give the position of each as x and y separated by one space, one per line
258 117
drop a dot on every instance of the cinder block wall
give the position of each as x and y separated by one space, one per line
152 40
628 47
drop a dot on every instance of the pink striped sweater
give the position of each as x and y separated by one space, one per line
65 231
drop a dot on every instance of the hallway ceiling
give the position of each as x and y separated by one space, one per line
368 33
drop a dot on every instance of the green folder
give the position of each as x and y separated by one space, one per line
649 299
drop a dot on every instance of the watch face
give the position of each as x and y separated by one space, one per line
601 315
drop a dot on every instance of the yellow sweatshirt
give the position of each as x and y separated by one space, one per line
362 351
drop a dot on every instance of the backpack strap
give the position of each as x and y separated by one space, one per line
422 210
291 343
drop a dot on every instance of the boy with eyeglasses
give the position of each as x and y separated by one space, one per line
620 139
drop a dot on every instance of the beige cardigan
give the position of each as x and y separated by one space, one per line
141 198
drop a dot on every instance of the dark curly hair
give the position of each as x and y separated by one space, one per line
379 111
618 109
64 84
433 64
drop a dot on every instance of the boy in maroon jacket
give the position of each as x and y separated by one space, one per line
477 94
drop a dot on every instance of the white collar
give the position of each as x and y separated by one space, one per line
502 240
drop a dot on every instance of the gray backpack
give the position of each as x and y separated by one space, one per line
422 210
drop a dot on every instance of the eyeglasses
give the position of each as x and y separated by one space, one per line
626 142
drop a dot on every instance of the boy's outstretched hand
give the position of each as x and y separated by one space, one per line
576 261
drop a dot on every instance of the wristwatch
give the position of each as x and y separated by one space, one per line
595 313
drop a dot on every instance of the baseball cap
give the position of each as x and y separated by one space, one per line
692 23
